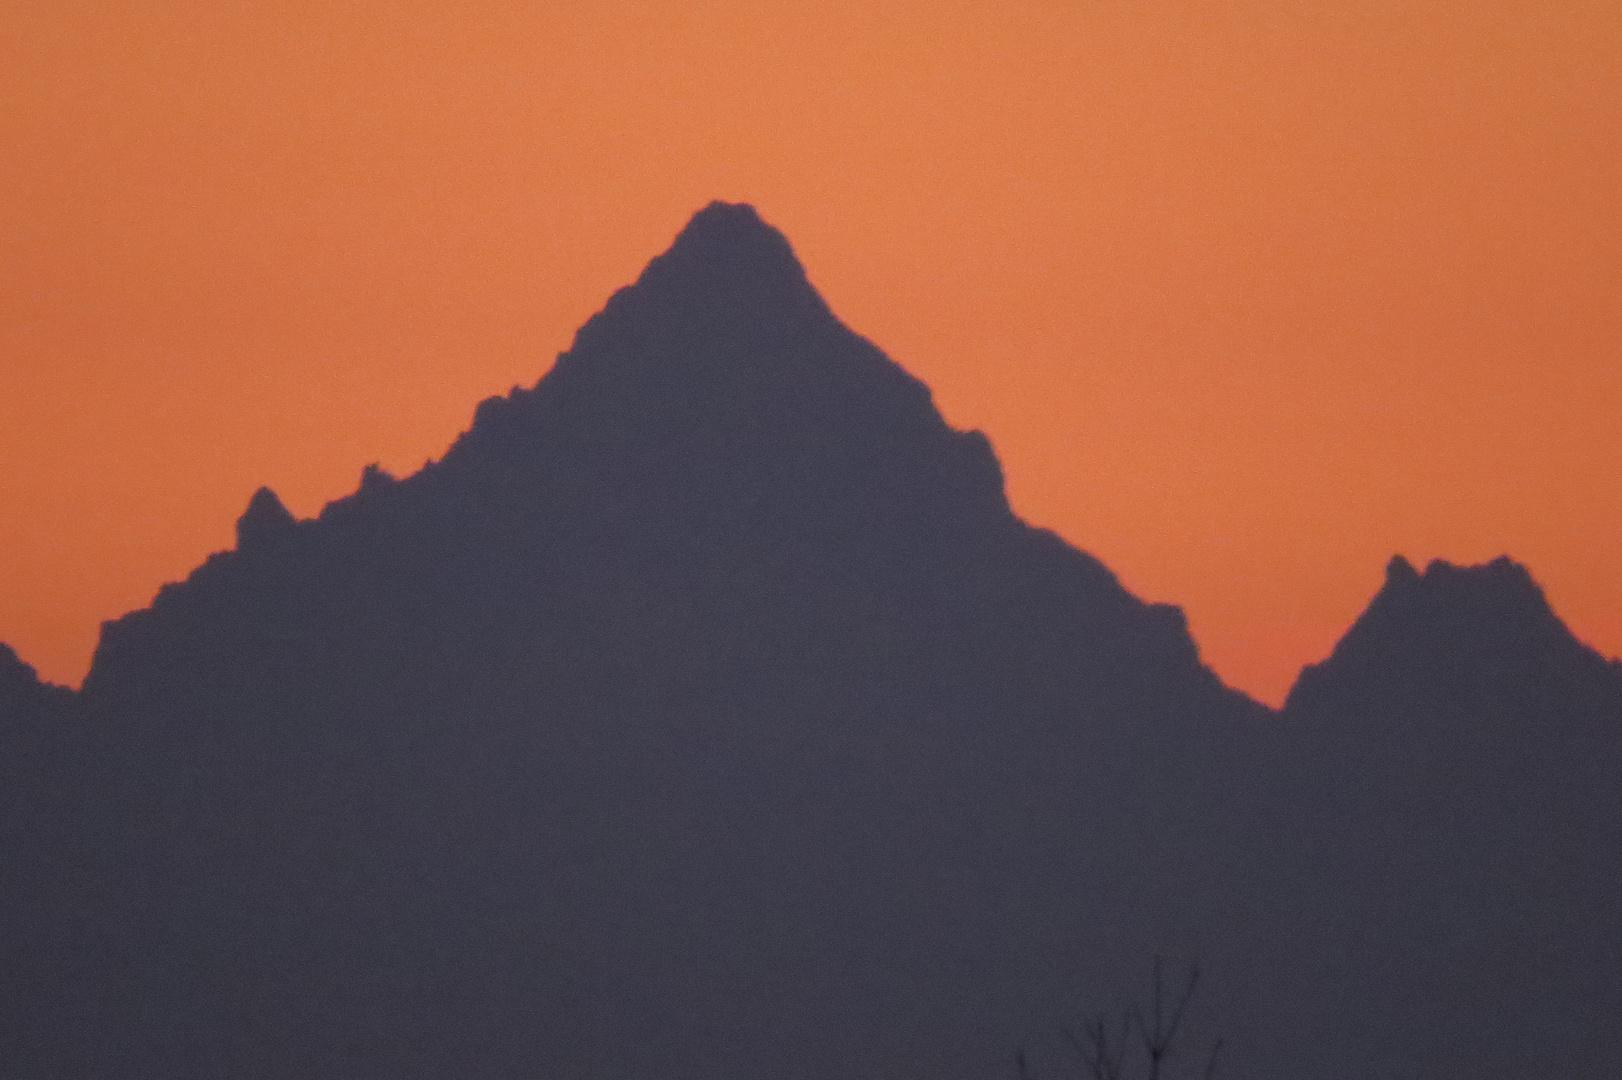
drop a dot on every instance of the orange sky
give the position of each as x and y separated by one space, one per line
1248 294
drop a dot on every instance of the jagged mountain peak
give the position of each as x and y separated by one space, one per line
724 336
1399 572
724 359
264 520
1468 632
1502 590
727 257
729 243
727 265
714 416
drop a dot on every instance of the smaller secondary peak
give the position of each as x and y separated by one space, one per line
1400 572
1503 578
264 520
1444 583
1502 568
373 477
1453 632
1496 591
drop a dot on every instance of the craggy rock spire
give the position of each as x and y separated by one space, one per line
1455 638
1447 796
264 521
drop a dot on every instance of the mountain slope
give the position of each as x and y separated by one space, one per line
1454 813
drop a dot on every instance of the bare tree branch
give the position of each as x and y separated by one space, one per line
1104 1057
1182 1006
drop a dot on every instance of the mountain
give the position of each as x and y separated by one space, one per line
1477 642
1455 815
706 711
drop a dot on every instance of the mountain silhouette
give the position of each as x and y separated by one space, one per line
264 522
1473 642
1453 796
706 711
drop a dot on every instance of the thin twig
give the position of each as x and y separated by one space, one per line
1177 1017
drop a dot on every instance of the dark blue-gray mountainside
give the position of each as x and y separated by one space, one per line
706 713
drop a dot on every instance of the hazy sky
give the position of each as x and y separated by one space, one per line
1248 295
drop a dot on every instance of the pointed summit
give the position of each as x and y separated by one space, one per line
728 246
729 229
722 348
727 266
1399 572
728 263
1500 592
264 521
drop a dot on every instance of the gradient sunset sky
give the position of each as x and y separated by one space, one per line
1249 295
